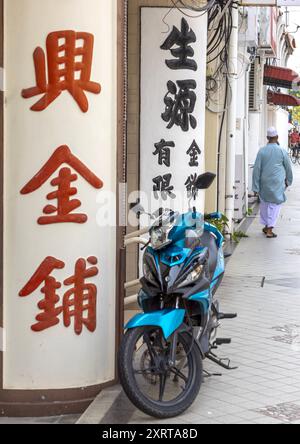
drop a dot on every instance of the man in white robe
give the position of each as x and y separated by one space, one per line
272 174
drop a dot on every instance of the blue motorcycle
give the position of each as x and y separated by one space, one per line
161 355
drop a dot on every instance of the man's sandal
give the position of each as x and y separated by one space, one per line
265 231
271 236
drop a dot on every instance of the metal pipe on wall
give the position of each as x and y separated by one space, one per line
231 119
246 140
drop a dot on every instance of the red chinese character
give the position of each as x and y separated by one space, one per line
49 316
79 302
69 69
63 211
81 299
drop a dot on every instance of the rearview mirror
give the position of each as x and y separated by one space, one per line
205 180
137 208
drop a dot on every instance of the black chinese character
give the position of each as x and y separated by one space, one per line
184 52
194 151
180 108
164 152
190 185
162 185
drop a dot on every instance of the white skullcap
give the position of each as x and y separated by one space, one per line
272 132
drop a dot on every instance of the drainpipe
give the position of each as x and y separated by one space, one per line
246 139
231 119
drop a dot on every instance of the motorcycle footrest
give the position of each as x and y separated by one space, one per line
227 316
222 341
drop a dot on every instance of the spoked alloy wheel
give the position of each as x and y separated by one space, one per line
150 381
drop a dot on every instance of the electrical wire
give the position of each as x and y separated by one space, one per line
219 30
219 37
203 10
192 6
219 33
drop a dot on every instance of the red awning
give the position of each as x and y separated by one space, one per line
281 77
282 99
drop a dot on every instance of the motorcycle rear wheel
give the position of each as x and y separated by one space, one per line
176 387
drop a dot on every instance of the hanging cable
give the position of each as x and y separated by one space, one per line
192 4
219 33
184 6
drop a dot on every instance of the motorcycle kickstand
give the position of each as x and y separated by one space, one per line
224 363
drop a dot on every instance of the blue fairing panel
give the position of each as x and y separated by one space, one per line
168 320
220 266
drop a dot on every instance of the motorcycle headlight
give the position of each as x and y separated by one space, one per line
192 276
160 236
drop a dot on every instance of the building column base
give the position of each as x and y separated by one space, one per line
39 403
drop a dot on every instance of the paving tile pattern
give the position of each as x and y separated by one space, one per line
286 412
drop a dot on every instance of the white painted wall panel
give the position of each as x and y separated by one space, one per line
155 75
57 357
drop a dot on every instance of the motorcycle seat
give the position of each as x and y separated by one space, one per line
208 240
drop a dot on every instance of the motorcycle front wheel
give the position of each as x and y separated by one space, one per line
154 385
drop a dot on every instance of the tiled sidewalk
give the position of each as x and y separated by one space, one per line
262 284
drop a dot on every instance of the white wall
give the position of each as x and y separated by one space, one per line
241 175
240 115
279 118
57 357
254 141
266 119
282 122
